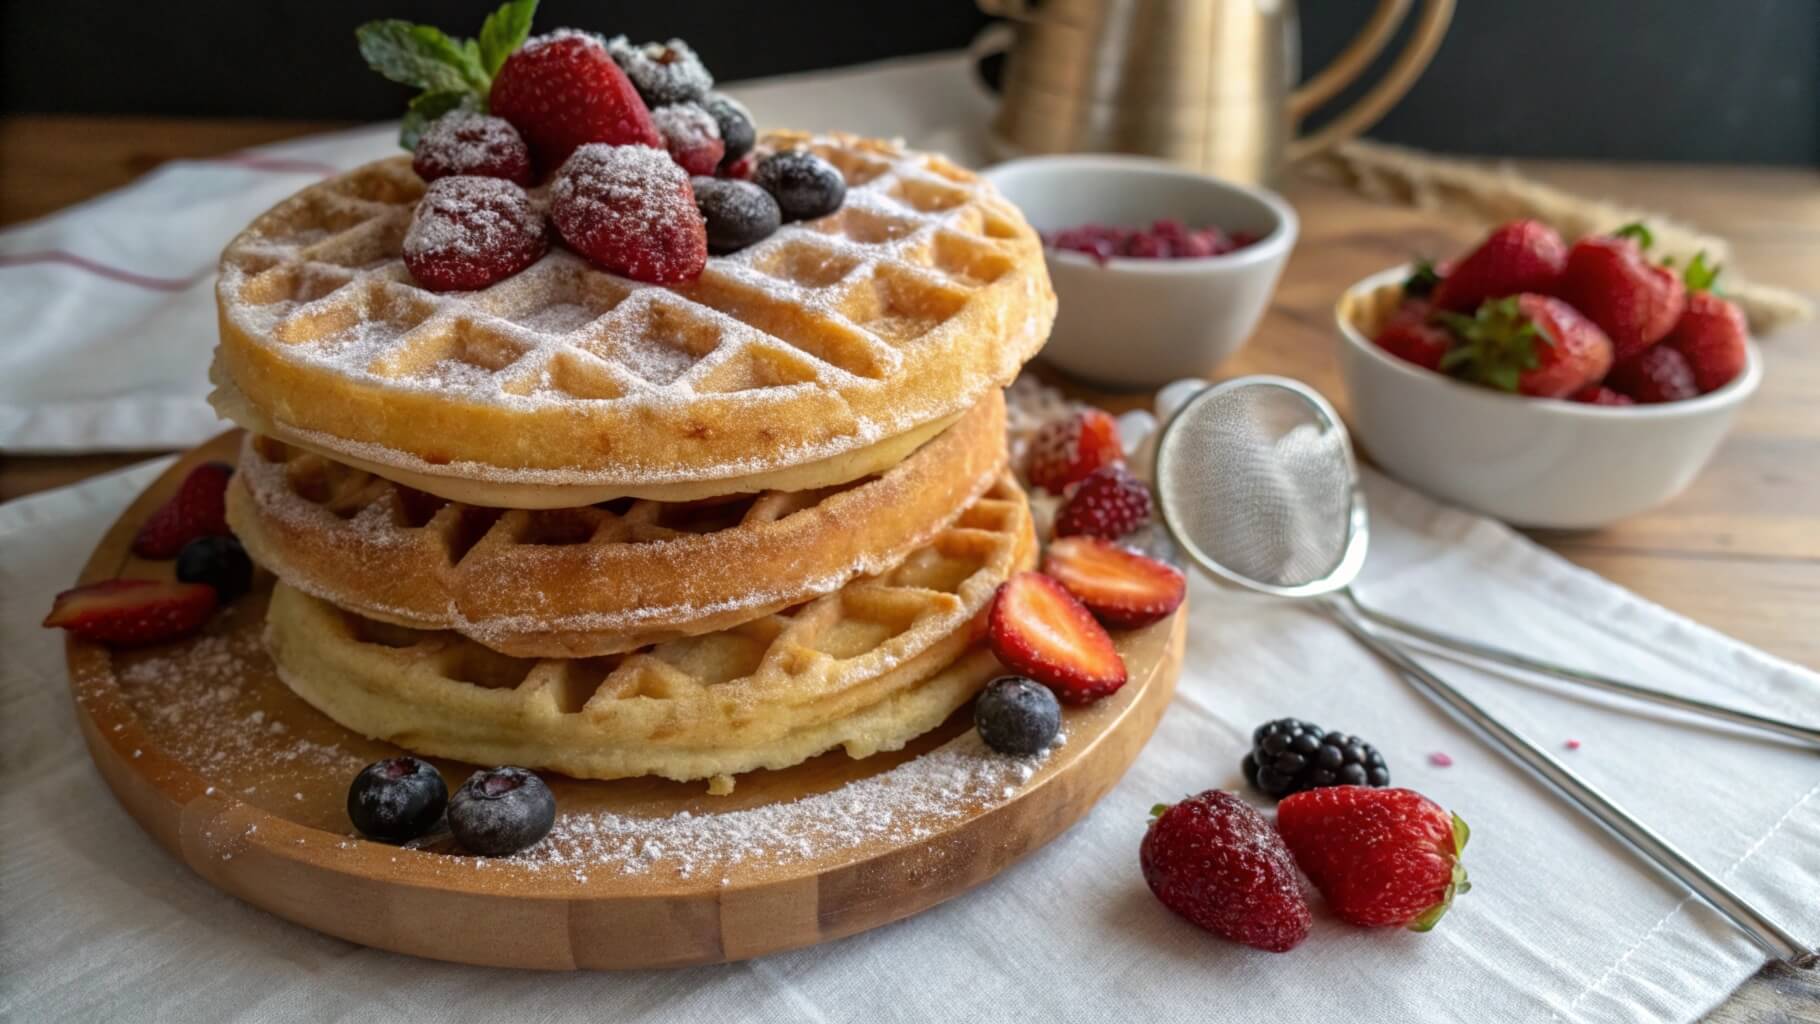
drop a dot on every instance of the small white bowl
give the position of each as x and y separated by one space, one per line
1528 461
1138 323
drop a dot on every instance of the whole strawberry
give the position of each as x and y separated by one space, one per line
1635 302
630 210
1412 338
198 509
1216 861
1382 858
1109 503
1656 374
1530 344
1711 336
1068 448
1521 256
562 91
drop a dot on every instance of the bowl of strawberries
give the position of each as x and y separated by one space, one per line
1543 383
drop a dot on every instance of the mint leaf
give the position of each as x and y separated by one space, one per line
420 55
504 32
427 107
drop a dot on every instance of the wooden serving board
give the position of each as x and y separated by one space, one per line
247 785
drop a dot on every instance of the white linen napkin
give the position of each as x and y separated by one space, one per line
97 923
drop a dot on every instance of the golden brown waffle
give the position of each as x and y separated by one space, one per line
599 579
791 364
868 667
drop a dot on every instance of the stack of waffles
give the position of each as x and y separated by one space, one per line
579 523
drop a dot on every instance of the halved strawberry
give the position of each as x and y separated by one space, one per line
1125 589
1037 628
130 613
198 509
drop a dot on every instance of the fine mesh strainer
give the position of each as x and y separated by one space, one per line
1256 482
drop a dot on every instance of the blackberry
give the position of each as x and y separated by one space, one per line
663 73
1290 755
1017 716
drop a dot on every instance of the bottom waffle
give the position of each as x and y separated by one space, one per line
867 668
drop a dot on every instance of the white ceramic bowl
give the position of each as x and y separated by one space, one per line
1142 323
1528 461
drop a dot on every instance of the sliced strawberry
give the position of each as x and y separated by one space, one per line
1521 256
131 613
630 210
1065 450
198 509
1125 589
1035 627
562 91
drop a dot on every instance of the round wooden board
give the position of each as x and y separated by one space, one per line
247 785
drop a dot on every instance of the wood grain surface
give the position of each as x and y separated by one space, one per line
259 810
1740 551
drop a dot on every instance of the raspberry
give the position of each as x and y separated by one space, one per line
630 210
1381 857
663 73
691 136
468 143
1217 862
1110 503
1065 450
562 91
198 509
470 232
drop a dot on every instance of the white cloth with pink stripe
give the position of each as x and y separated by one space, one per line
1563 923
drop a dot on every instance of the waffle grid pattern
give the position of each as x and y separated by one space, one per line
922 291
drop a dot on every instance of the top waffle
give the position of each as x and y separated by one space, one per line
793 363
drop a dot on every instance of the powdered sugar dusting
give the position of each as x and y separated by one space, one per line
471 217
908 803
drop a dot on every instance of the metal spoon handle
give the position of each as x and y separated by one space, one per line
1794 730
1771 936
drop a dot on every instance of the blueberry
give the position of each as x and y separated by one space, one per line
663 73
738 213
1015 715
735 122
804 185
397 799
501 811
218 561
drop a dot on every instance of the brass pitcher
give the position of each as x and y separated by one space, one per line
1208 84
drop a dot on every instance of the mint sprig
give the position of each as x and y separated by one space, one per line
453 74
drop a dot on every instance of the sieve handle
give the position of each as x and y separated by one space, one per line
1794 730
1766 932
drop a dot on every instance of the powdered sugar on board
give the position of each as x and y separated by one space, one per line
903 805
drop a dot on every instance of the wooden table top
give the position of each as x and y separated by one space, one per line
1740 551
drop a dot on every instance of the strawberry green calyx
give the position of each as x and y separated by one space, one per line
1698 277
1421 282
1638 232
1458 886
1157 810
453 74
1496 344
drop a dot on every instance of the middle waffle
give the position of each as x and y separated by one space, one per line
601 579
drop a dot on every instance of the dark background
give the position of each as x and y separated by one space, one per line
1706 80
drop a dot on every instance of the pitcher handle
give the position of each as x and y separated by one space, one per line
1358 55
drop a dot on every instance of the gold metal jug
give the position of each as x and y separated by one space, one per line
1208 84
